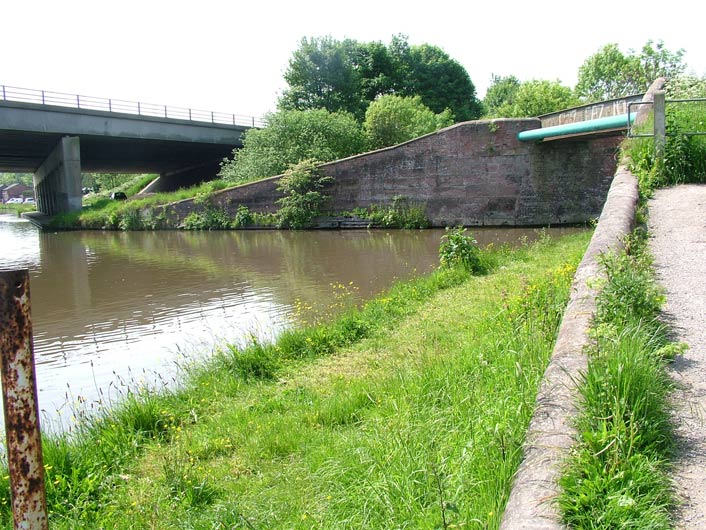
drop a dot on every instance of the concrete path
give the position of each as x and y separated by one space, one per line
678 242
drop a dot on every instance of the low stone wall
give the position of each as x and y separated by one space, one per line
531 505
474 174
550 434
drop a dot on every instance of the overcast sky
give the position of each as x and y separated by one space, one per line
230 55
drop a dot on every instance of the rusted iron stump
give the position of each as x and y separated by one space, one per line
19 394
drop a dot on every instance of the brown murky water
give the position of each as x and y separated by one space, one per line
115 306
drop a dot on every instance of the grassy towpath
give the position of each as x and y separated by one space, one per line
417 425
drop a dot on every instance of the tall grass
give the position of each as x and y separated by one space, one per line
684 158
618 475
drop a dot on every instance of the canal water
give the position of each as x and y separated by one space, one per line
111 309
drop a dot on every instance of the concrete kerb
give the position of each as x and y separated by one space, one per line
551 434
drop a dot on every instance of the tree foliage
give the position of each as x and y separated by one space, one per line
323 73
16 178
347 75
537 97
609 73
392 119
291 136
502 91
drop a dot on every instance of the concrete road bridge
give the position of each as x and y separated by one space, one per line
56 136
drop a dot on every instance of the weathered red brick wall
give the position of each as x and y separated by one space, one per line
473 173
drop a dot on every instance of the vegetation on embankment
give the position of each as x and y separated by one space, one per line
138 213
303 202
618 475
684 157
408 411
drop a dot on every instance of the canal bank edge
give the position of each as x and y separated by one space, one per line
531 504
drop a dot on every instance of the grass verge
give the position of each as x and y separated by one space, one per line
409 412
618 475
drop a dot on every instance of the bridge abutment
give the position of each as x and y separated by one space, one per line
57 182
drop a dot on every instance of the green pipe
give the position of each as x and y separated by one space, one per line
601 124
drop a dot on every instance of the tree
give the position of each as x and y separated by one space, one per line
348 75
322 74
537 97
392 119
440 81
291 136
502 91
609 73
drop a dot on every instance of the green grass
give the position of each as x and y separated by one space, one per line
618 475
135 214
409 412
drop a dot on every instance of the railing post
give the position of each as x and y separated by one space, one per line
110 105
19 394
42 97
660 126
165 111
3 93
212 117
139 113
189 114
78 101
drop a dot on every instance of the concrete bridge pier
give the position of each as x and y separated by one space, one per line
57 182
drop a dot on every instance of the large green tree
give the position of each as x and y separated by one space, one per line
291 136
440 81
609 73
323 73
348 75
395 119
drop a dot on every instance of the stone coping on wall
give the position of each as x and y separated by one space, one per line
551 434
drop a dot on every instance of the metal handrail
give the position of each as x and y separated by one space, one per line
77 101
632 134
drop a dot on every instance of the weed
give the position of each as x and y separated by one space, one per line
243 217
460 249
402 212
303 200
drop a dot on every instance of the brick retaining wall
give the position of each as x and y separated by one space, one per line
473 173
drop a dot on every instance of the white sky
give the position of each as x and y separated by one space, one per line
229 56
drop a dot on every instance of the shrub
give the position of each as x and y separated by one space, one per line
243 217
459 249
209 218
290 137
393 119
303 200
402 213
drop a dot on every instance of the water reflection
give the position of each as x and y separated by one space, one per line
109 304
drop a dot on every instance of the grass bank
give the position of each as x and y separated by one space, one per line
409 412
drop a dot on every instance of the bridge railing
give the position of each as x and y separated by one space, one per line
77 101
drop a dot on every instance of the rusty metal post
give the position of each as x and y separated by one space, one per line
19 394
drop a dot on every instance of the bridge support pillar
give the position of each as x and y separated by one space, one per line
57 182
